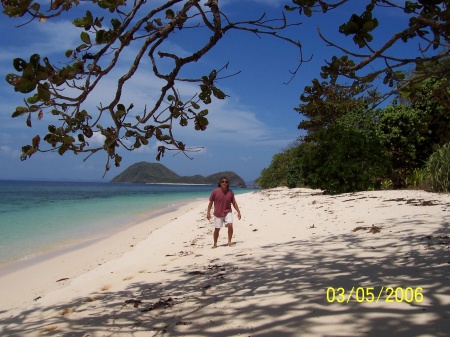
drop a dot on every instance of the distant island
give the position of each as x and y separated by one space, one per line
155 173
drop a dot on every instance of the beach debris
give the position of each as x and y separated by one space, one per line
37 298
67 311
48 330
196 272
162 303
183 323
91 299
373 229
106 287
429 237
218 266
134 302
417 202
312 226
62 279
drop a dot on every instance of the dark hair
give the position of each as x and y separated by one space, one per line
218 184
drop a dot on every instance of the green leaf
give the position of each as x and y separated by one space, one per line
20 110
170 14
183 121
137 144
13 79
62 149
308 11
35 7
85 38
34 60
19 64
87 131
43 93
33 99
89 17
120 113
115 23
218 93
368 26
212 76
81 47
100 37
79 22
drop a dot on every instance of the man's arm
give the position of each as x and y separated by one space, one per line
236 207
208 212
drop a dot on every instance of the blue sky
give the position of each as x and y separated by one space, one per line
245 130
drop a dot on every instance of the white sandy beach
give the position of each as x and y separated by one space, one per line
290 247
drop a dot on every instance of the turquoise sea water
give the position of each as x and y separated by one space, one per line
37 217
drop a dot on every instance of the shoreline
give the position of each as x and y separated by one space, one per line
71 261
290 246
56 249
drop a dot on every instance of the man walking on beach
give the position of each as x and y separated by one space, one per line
223 198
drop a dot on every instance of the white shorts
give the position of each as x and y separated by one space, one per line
219 221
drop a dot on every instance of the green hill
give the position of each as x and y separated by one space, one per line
157 173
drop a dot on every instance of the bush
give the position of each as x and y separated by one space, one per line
285 168
345 159
417 178
438 168
404 134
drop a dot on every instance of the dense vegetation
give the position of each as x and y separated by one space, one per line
351 147
157 173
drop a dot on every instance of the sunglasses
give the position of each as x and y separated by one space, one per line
224 181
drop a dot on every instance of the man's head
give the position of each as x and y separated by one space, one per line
223 182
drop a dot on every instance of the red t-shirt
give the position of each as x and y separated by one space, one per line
222 201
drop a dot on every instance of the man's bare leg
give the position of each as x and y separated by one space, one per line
230 233
216 236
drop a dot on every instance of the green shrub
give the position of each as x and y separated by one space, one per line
386 184
345 159
285 168
438 168
417 178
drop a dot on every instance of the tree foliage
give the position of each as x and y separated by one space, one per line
346 157
285 168
426 25
63 91
430 97
108 27
438 168
405 136
324 104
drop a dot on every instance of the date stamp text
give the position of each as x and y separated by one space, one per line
370 294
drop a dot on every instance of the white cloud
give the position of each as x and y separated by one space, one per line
9 152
